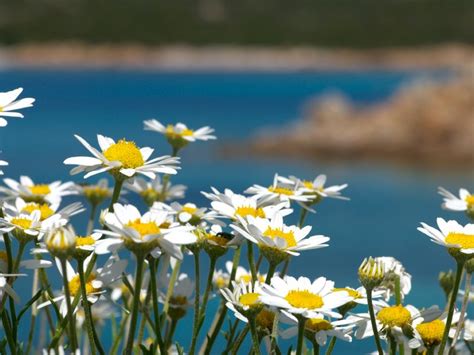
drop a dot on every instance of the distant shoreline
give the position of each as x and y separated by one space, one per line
231 58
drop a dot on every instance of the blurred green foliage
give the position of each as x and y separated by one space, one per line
348 23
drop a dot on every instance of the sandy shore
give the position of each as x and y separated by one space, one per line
77 55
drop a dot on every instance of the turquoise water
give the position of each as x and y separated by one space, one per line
387 202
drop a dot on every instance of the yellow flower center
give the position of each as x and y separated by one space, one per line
431 332
318 324
281 190
144 228
172 133
178 300
304 299
470 200
218 240
221 282
189 209
80 241
42 189
465 241
75 285
45 210
247 278
245 211
353 293
289 236
249 299
395 316
125 152
265 319
23 223
308 184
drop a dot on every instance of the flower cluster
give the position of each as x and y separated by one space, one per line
124 268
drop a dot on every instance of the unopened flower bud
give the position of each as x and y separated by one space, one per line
61 242
371 273
446 281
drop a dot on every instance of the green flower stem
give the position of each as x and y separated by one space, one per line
174 323
452 303
154 293
9 336
169 292
90 222
196 302
205 298
271 271
217 324
303 214
465 303
34 312
331 345
16 268
398 301
393 344
136 304
93 342
253 270
373 322
70 312
316 346
254 333
120 334
240 340
116 193
299 344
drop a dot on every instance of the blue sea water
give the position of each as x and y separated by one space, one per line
387 201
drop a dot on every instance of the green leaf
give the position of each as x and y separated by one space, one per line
28 305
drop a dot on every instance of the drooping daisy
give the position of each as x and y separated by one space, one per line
95 193
273 236
244 300
282 190
96 283
451 235
39 193
182 297
29 264
320 329
235 206
317 187
8 105
152 191
393 269
148 233
6 289
301 297
179 135
465 201
123 159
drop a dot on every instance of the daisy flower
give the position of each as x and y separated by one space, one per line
96 283
220 279
244 300
216 242
9 104
29 264
151 191
274 236
451 235
320 329
301 297
394 269
282 190
234 206
101 311
182 297
190 213
463 202
243 275
428 328
39 193
179 135
46 210
359 296
317 187
144 233
95 193
123 159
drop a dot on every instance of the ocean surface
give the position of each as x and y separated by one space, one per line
387 201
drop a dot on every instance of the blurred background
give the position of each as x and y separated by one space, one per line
376 94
